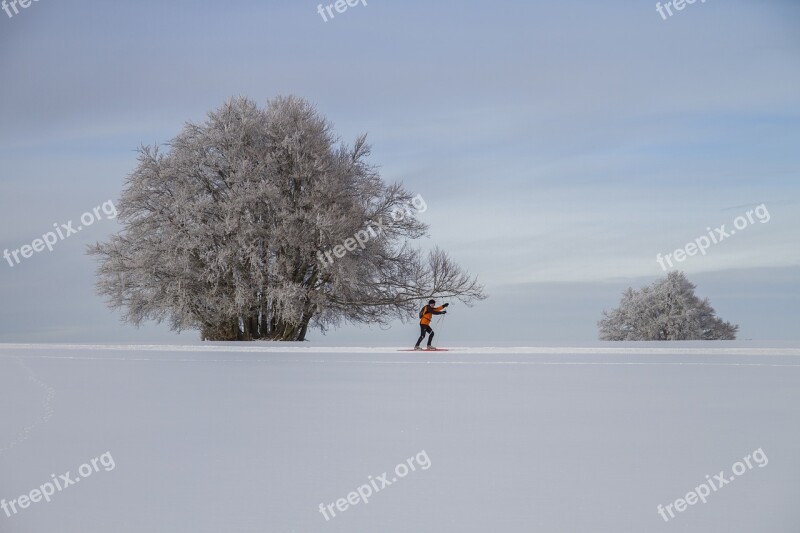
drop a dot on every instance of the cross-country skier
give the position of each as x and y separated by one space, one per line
425 315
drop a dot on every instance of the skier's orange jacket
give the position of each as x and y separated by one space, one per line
427 314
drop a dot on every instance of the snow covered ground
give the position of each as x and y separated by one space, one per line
254 437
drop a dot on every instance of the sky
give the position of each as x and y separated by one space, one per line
560 146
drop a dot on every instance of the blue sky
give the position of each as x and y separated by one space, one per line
559 145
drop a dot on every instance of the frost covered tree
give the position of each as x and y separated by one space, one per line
667 310
225 231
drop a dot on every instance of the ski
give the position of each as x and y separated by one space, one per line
424 350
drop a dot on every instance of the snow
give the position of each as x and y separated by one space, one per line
252 437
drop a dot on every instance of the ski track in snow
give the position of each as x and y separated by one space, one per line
449 358
47 409
533 350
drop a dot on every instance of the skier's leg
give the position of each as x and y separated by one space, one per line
421 336
430 337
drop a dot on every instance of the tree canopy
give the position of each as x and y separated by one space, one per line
224 231
666 310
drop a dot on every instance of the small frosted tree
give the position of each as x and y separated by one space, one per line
223 232
666 310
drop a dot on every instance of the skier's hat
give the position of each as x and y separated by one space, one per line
431 301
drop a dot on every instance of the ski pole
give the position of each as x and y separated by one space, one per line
440 321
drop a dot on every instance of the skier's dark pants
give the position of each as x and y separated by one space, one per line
424 328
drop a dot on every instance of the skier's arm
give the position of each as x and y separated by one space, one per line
438 310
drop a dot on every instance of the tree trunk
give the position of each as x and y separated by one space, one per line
225 330
252 327
255 327
304 326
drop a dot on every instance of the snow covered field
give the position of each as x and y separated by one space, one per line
254 437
